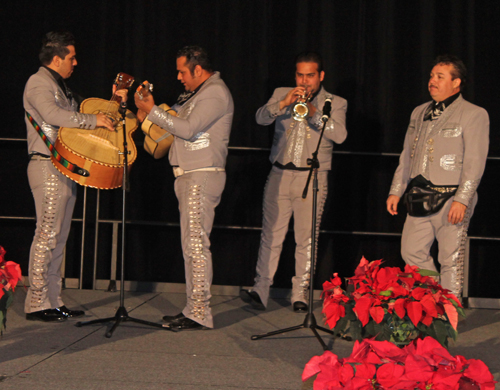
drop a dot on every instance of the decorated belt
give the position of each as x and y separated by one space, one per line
443 190
178 171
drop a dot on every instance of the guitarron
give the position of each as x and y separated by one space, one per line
99 151
157 141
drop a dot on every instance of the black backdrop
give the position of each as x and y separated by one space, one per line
377 55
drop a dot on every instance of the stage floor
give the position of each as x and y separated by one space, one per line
37 355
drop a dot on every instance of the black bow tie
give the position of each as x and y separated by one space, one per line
434 111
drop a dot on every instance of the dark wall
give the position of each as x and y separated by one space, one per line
377 55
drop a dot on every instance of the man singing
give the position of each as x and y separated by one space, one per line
198 154
295 139
444 154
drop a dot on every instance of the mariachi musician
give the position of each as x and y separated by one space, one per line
200 122
49 105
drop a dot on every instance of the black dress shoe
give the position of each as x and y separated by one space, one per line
70 313
185 323
299 307
173 318
49 315
252 298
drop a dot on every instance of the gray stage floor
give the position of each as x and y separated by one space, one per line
36 355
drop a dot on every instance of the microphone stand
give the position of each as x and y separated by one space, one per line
310 319
121 314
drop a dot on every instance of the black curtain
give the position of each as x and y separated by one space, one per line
377 55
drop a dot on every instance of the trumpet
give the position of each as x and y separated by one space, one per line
300 109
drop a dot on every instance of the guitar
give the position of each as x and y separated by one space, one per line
99 151
157 141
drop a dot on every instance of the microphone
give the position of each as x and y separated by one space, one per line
327 108
123 108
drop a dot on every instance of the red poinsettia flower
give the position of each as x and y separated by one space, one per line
405 300
386 351
13 273
414 310
417 369
362 308
424 364
319 363
390 374
333 312
479 373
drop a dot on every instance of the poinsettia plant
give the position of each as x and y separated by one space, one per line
423 364
10 274
391 304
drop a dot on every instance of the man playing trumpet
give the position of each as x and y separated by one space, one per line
297 112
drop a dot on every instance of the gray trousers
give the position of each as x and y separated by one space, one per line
419 234
198 194
55 197
282 198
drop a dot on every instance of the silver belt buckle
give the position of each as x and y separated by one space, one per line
178 171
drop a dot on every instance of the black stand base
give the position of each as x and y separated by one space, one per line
120 316
309 323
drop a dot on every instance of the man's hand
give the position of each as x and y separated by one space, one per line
146 104
312 109
457 213
123 93
104 121
292 96
141 115
392 204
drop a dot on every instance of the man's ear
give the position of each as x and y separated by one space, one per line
457 82
56 61
198 70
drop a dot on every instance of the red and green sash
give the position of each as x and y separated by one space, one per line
65 163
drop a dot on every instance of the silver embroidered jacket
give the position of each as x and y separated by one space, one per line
47 103
295 141
451 150
201 128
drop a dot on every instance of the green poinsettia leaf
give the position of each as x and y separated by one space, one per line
369 329
356 330
341 325
461 312
349 313
428 272
386 293
441 332
423 328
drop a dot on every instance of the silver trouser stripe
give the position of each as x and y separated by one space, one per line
44 241
458 260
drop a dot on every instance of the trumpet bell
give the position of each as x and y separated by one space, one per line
300 111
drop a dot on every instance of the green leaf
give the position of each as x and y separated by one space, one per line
385 293
369 328
428 272
341 325
441 332
356 330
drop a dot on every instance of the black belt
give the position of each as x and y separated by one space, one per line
290 167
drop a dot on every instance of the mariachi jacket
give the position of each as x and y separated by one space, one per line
449 151
306 132
47 103
201 128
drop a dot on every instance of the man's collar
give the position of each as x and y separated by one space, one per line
446 102
54 74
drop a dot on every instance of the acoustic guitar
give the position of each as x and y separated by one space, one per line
99 151
157 141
